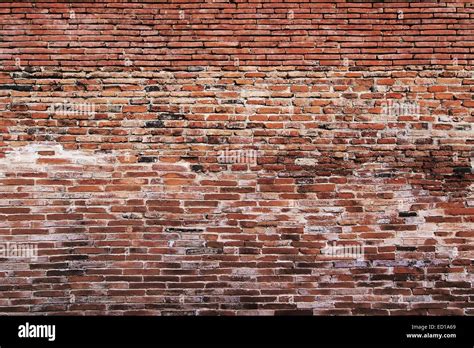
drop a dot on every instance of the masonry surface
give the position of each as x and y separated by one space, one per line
216 157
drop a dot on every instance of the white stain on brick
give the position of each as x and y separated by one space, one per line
27 156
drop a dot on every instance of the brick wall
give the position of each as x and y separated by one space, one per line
236 157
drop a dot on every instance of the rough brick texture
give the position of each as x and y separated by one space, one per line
198 157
